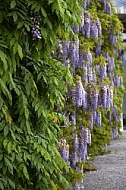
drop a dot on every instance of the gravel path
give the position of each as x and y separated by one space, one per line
111 169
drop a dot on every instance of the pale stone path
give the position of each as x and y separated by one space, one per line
111 168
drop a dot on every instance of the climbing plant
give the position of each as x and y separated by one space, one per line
94 104
60 89
32 87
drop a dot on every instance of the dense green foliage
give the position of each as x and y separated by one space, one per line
31 85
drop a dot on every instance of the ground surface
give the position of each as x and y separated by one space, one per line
111 169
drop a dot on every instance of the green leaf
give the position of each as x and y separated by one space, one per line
5 90
1 156
44 32
5 142
13 4
15 16
28 127
3 58
11 183
9 147
6 130
1 185
25 172
26 113
36 107
27 26
12 41
15 48
20 24
20 51
1 16
43 12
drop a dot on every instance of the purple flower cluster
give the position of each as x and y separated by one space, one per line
104 96
85 74
89 59
94 98
107 8
113 40
98 48
87 26
90 28
64 150
35 17
90 75
98 24
80 95
103 71
98 120
117 80
111 64
83 144
114 133
76 142
94 30
91 120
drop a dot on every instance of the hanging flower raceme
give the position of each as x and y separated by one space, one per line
109 101
98 48
59 52
111 64
74 54
36 19
101 1
75 28
84 4
81 60
73 95
73 119
83 143
115 112
90 75
88 59
82 30
85 102
91 120
89 137
64 149
85 74
80 94
113 40
94 98
76 142
74 159
65 51
117 80
98 24
111 96
103 97
103 71
94 30
114 133
87 27
94 77
94 116
98 120
107 7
